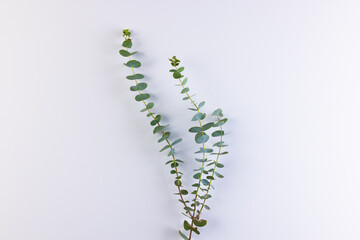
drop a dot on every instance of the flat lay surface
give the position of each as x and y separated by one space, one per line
78 161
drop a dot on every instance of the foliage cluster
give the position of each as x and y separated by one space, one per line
204 130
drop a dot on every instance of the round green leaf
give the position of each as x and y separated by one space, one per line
219 175
201 137
195 129
177 183
201 104
177 75
135 76
141 86
185 90
133 64
127 43
124 53
142 96
200 223
221 122
217 112
198 116
217 133
150 105
197 175
134 88
187 226
184 192
205 182
207 126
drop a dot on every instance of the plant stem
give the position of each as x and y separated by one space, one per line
217 159
167 141
202 165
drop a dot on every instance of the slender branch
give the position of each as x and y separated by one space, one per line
217 159
202 165
167 141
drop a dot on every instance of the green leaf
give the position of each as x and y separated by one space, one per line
139 86
200 223
135 76
207 126
198 116
127 43
205 182
201 160
219 165
197 176
150 105
181 69
206 207
165 136
133 64
174 164
217 112
195 230
193 109
177 75
177 141
196 185
141 97
158 129
195 129
126 32
219 144
184 192
187 226
201 104
210 177
183 236
221 122
125 53
207 196
217 133
188 209
172 152
201 137
185 90
156 120
206 150
133 88
177 183
219 175
184 81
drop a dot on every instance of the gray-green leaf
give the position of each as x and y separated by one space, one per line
142 96
127 43
133 64
201 137
195 129
198 116
217 133
135 76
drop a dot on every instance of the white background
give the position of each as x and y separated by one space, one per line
78 161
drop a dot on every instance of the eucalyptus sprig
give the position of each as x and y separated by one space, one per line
155 122
207 171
